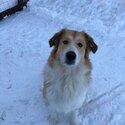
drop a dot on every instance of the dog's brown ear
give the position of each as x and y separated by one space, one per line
54 41
91 45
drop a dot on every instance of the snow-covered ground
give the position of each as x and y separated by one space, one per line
24 50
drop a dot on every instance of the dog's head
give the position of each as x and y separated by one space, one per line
72 47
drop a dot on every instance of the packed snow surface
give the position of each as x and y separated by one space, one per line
24 50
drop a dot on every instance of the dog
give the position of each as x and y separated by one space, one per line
67 74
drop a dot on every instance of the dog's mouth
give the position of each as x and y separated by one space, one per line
70 58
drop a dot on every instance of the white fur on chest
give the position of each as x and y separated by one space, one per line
67 89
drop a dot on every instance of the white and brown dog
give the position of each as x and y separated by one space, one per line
67 73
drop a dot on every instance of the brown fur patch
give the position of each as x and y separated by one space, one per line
91 46
74 37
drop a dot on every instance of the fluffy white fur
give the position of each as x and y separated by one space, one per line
66 88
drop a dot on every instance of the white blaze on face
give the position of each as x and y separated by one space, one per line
63 57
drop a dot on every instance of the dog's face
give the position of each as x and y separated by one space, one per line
72 47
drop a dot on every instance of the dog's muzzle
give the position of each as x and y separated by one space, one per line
70 58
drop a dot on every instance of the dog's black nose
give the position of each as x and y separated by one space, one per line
70 57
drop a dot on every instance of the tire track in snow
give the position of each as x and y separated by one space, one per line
102 99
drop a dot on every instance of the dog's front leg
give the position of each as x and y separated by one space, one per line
73 118
53 118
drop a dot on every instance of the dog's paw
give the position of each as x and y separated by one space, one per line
53 119
74 123
73 118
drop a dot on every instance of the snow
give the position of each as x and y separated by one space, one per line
24 50
6 4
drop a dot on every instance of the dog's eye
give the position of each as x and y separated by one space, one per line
65 42
80 45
